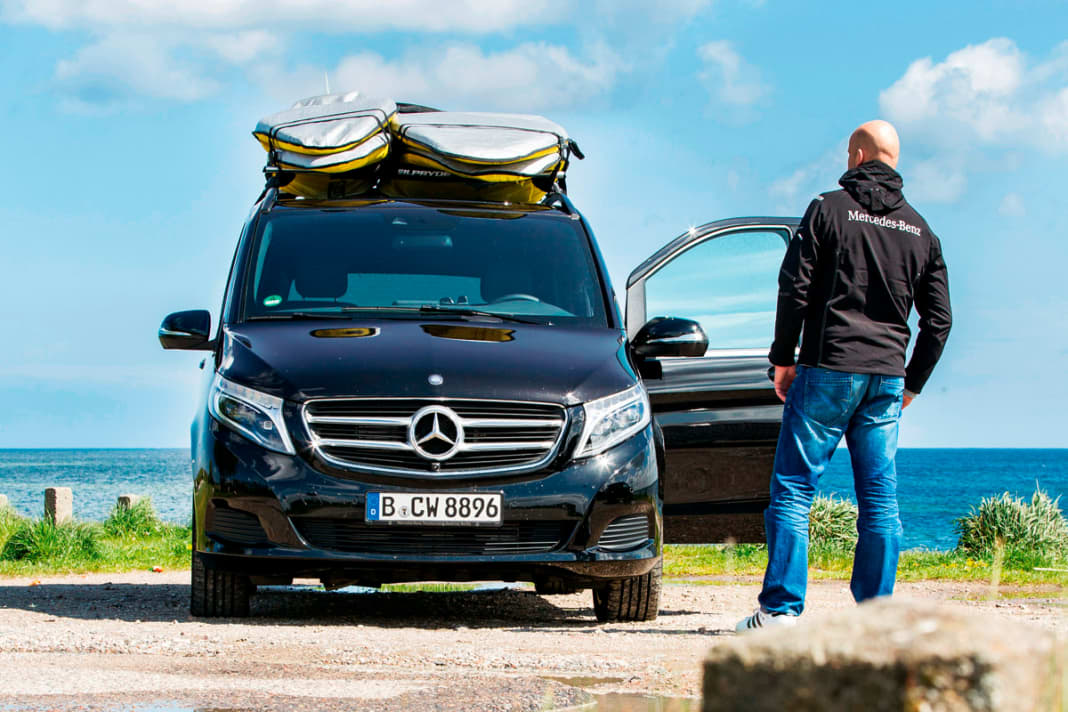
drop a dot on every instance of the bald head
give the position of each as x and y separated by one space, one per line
874 141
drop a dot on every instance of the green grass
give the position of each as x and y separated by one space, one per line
1003 540
1022 528
834 562
428 587
126 541
138 521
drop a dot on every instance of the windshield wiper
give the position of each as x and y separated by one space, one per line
466 311
299 315
449 311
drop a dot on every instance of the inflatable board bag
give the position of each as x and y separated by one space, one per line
323 137
476 155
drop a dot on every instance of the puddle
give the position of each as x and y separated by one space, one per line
625 701
584 681
629 702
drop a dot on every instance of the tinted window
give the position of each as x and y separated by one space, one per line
729 284
534 266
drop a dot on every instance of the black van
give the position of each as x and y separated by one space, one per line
444 390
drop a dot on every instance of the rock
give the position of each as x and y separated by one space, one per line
127 501
887 655
59 504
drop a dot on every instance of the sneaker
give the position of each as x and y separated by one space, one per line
764 619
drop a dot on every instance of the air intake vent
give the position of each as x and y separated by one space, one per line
236 527
354 536
625 533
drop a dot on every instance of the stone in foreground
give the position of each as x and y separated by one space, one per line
59 504
887 655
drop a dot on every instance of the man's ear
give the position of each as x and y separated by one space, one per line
859 157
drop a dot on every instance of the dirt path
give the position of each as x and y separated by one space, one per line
108 641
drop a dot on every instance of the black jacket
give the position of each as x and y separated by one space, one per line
861 258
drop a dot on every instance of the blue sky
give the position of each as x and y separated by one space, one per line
130 166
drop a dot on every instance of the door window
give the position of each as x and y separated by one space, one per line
728 284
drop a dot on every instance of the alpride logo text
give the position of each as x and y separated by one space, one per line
857 216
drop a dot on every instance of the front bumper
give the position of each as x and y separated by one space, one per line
287 505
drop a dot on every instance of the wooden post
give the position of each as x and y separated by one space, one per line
127 501
59 504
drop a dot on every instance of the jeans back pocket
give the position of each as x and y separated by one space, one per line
827 396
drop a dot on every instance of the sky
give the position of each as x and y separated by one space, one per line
130 168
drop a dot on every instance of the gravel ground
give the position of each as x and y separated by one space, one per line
126 641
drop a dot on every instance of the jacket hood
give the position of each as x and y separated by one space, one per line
875 185
507 361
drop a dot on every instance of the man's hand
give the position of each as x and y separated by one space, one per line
784 376
905 400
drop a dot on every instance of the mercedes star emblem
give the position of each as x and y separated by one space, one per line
435 379
436 432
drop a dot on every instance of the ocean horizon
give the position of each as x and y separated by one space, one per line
935 485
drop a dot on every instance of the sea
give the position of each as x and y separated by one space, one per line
935 486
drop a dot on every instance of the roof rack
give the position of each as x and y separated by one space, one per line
558 199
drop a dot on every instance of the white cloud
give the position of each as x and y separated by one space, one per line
153 49
730 79
936 180
241 47
988 93
1012 205
529 77
364 16
1053 114
108 74
793 192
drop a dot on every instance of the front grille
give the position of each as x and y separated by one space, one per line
354 536
625 533
237 527
372 434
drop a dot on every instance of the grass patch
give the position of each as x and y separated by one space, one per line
1034 532
9 522
1003 540
138 521
137 540
428 587
836 563
832 523
42 541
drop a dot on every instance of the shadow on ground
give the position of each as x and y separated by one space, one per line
299 606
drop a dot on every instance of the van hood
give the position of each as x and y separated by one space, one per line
300 360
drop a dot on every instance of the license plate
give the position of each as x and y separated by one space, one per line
433 508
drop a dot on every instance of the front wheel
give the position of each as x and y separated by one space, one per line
630 599
216 593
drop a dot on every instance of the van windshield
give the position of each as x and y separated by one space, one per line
395 261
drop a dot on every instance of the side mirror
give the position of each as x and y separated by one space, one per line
188 330
669 336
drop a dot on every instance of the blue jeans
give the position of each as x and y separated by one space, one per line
821 407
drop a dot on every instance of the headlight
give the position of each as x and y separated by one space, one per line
613 419
255 415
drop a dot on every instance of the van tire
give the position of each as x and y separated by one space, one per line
630 599
217 593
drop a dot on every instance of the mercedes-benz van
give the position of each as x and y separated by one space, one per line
443 390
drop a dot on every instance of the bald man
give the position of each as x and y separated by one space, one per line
861 258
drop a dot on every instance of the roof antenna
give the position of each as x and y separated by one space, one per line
326 80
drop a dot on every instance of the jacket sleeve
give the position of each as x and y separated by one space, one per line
936 318
795 278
